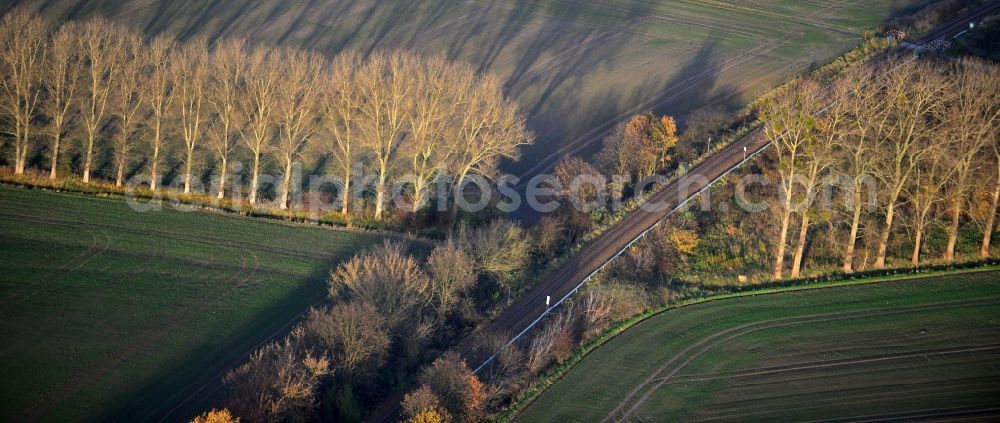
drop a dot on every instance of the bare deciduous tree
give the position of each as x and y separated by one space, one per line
925 192
912 94
545 345
341 113
158 93
128 99
817 157
258 110
190 80
23 42
858 96
789 127
432 121
984 247
101 45
279 382
596 309
972 122
490 129
296 110
63 72
383 80
354 333
452 271
500 248
387 279
458 389
228 67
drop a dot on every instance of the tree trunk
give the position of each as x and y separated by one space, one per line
915 258
456 193
779 256
21 151
120 175
254 178
346 200
87 159
956 211
222 177
418 193
286 181
883 242
57 138
153 176
853 240
800 248
984 249
187 171
380 197
18 162
122 160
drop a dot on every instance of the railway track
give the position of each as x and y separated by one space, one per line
531 308
955 27
526 312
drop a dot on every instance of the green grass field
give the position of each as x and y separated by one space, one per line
920 347
107 314
576 67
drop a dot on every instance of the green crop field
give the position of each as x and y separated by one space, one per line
921 347
111 314
576 67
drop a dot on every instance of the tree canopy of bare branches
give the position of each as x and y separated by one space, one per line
101 45
63 75
22 57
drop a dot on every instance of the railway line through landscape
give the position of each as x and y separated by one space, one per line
529 310
532 308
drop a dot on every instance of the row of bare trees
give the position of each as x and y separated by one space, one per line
395 113
909 137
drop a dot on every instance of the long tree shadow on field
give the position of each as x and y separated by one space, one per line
694 85
183 388
539 48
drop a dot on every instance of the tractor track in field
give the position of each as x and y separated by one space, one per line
892 392
694 351
58 274
768 14
825 364
242 284
865 397
310 254
144 341
925 415
87 250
